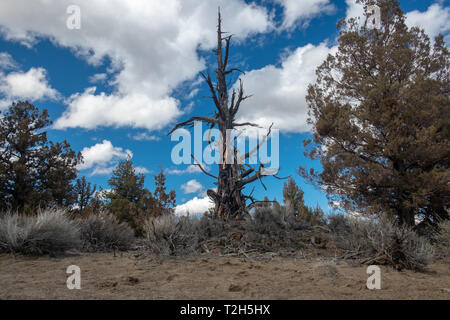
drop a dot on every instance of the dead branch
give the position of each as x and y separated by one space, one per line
201 168
190 123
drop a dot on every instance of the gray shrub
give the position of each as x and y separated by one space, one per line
50 231
171 235
384 242
103 232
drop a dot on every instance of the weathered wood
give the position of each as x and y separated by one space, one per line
230 202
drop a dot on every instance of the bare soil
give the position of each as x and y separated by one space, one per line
129 277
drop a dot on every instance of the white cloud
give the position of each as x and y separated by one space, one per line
6 61
194 207
302 11
98 78
144 136
102 156
31 85
89 110
192 186
279 92
354 10
152 45
190 169
434 21
102 171
141 170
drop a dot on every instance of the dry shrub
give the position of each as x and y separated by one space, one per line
442 240
210 227
277 227
103 232
338 224
384 243
170 235
272 220
51 231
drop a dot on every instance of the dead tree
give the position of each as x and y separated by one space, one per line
234 175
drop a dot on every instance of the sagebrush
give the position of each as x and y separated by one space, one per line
171 235
50 231
383 242
442 240
103 232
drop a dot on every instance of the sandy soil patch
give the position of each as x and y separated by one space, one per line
127 277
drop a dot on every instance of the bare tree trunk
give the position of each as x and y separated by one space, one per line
230 202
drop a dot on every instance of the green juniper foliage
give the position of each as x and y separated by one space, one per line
380 117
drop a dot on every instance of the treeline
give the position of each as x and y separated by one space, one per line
37 173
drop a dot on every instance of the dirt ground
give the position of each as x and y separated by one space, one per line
125 276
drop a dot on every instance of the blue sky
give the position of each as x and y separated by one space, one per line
116 86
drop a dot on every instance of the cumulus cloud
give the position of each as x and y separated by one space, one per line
195 206
152 45
90 110
434 21
354 10
192 186
279 92
301 12
31 85
102 157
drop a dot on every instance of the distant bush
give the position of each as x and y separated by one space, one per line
103 232
385 243
170 235
276 228
51 231
270 220
338 223
209 227
442 240
312 216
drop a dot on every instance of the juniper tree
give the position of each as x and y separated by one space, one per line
380 117
84 192
33 171
165 201
131 202
293 196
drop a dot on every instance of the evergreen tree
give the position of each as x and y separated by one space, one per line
166 201
125 183
380 116
84 192
33 171
293 196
